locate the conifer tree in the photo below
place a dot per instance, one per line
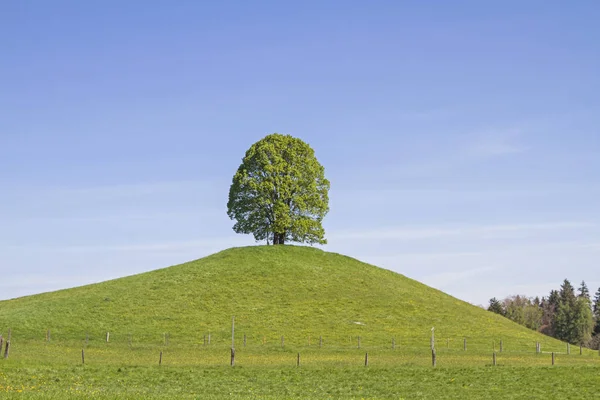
(564, 319)
(584, 291)
(495, 306)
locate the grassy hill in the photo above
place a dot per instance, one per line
(289, 291)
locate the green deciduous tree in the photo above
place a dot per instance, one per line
(524, 311)
(584, 320)
(279, 192)
(584, 316)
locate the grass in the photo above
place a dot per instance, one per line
(299, 293)
(107, 382)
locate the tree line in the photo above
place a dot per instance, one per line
(565, 314)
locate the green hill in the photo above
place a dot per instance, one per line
(272, 291)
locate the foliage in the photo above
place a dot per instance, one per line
(596, 309)
(523, 310)
(564, 324)
(279, 192)
(562, 315)
(495, 306)
(584, 291)
(549, 307)
(584, 320)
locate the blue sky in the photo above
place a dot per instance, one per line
(461, 140)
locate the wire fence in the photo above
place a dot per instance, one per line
(214, 348)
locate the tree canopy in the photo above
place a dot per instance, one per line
(279, 192)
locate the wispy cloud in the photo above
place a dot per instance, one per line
(496, 143)
(444, 279)
(174, 246)
(415, 233)
(128, 217)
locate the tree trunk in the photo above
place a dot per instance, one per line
(278, 238)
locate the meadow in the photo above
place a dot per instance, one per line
(55, 370)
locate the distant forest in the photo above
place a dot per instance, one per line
(565, 314)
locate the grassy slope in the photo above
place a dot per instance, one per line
(272, 291)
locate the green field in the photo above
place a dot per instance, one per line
(287, 300)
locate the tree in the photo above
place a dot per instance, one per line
(495, 306)
(564, 324)
(523, 310)
(596, 309)
(279, 192)
(549, 305)
(584, 320)
(584, 291)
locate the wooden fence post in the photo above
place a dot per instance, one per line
(494, 359)
(232, 356)
(569, 348)
(87, 338)
(82, 357)
(244, 340)
(1, 343)
(366, 359)
(160, 359)
(359, 342)
(6, 349)
(552, 358)
(232, 331)
(107, 336)
(298, 360)
(209, 338)
(580, 349)
(465, 344)
(433, 360)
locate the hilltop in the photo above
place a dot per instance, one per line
(294, 291)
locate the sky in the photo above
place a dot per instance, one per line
(461, 139)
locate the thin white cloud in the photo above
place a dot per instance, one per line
(175, 246)
(134, 216)
(496, 143)
(114, 191)
(445, 279)
(415, 233)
